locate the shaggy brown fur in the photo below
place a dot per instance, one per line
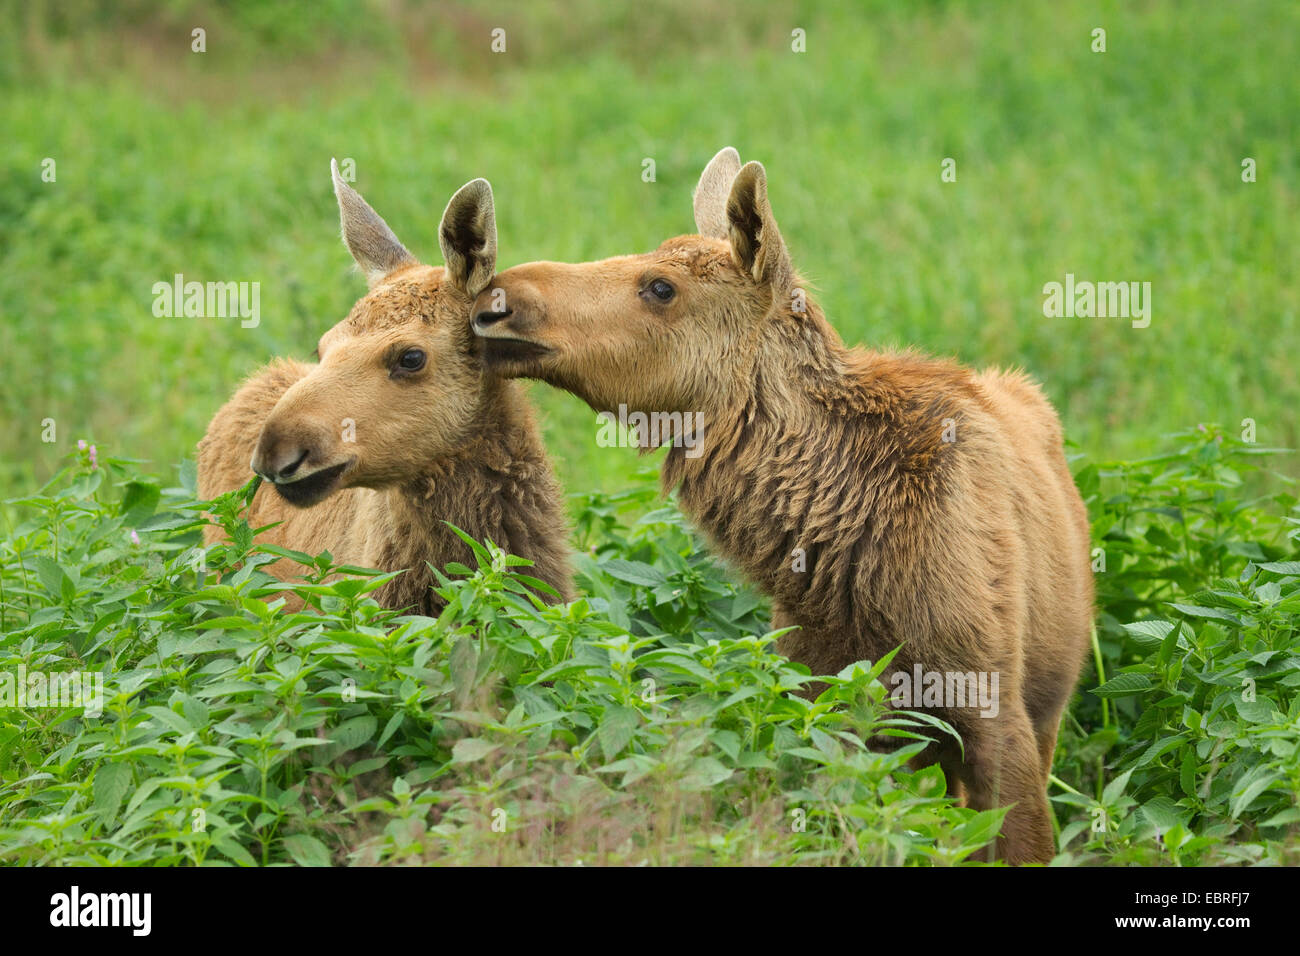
(392, 453)
(932, 505)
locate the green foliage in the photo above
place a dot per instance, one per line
(1191, 744)
(236, 730)
(244, 722)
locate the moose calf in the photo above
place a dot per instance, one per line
(880, 499)
(396, 429)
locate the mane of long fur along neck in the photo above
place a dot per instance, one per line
(826, 454)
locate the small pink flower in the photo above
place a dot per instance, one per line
(93, 463)
(81, 444)
(135, 538)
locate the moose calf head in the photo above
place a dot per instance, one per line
(398, 382)
(673, 330)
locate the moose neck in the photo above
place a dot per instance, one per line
(824, 450)
(497, 487)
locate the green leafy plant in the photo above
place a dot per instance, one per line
(248, 721)
(1190, 743)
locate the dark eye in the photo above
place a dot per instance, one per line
(661, 290)
(412, 360)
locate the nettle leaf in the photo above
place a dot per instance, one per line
(634, 572)
(195, 711)
(112, 781)
(302, 557)
(1269, 592)
(1251, 786)
(463, 665)
(233, 850)
(728, 741)
(353, 733)
(735, 697)
(480, 552)
(705, 773)
(390, 728)
(1216, 613)
(187, 473)
(1187, 772)
(1149, 635)
(1163, 813)
(1285, 818)
(172, 719)
(471, 749)
(1115, 789)
(617, 728)
(826, 744)
(139, 501)
(1159, 749)
(982, 827)
(1282, 567)
(1124, 685)
(633, 768)
(1258, 711)
(744, 602)
(306, 850)
(49, 572)
(1263, 657)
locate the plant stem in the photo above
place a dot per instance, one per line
(1105, 708)
(1101, 676)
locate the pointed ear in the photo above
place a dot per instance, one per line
(710, 197)
(367, 237)
(756, 242)
(468, 236)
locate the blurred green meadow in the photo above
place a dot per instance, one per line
(1125, 165)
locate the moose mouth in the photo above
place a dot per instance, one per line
(317, 486)
(497, 351)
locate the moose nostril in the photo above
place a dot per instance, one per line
(288, 470)
(488, 317)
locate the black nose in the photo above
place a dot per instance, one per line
(487, 317)
(288, 470)
(277, 465)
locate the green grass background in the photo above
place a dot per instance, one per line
(1123, 165)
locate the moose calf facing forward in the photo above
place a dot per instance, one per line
(880, 499)
(396, 425)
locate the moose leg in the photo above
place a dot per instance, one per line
(1046, 734)
(806, 645)
(1004, 767)
(1047, 692)
(954, 771)
(1046, 717)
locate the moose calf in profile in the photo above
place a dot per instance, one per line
(880, 499)
(396, 429)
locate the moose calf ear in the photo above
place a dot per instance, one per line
(468, 236)
(710, 197)
(756, 242)
(367, 237)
